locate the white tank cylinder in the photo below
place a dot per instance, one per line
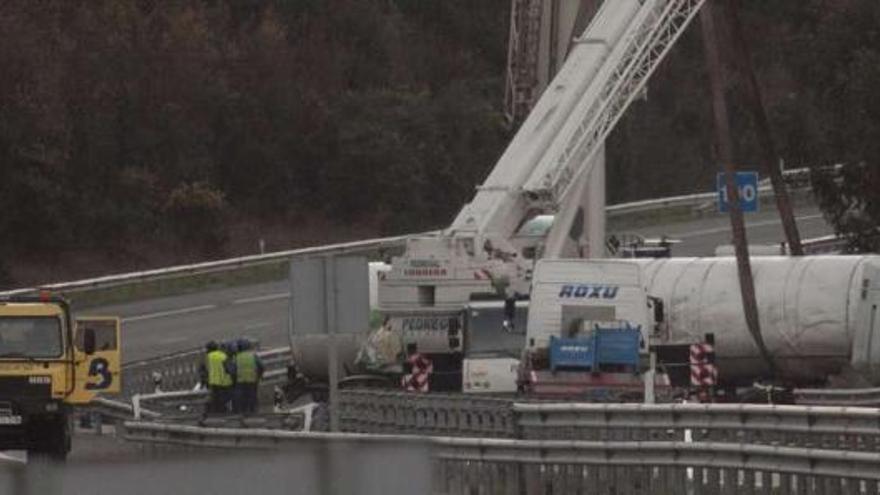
(818, 314)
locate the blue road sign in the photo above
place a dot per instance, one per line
(747, 187)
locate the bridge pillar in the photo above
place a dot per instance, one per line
(595, 209)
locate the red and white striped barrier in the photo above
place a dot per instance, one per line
(417, 380)
(703, 370)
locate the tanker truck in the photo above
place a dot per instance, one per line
(818, 316)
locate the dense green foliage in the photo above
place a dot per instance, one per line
(124, 122)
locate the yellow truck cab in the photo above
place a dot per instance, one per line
(49, 363)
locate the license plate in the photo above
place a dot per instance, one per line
(10, 420)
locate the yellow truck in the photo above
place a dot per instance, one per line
(50, 362)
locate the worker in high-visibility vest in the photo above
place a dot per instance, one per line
(218, 378)
(248, 372)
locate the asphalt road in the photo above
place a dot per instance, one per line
(701, 237)
(161, 326)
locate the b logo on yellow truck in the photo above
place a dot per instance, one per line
(49, 363)
(96, 371)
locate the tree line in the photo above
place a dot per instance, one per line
(128, 123)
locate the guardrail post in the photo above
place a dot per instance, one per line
(136, 406)
(98, 421)
(649, 379)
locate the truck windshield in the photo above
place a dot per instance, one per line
(30, 337)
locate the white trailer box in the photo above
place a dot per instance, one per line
(571, 295)
(818, 314)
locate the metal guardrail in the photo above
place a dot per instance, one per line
(839, 428)
(117, 410)
(687, 200)
(695, 201)
(189, 400)
(382, 412)
(304, 418)
(480, 465)
(167, 405)
(11, 459)
(392, 412)
(174, 397)
(179, 375)
(552, 467)
(852, 397)
(828, 244)
(181, 371)
(216, 266)
(702, 201)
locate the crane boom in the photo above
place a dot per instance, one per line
(499, 205)
(608, 67)
(658, 25)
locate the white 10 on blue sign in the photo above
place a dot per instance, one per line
(747, 188)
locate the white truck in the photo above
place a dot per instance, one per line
(591, 328)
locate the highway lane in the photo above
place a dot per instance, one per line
(161, 326)
(701, 236)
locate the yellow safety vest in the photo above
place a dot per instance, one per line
(217, 375)
(246, 367)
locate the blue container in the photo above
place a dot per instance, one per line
(618, 346)
(571, 353)
(604, 346)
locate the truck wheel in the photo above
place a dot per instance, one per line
(63, 441)
(51, 436)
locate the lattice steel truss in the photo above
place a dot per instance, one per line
(637, 57)
(521, 83)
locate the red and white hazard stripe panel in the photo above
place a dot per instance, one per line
(700, 352)
(482, 274)
(704, 375)
(417, 381)
(703, 370)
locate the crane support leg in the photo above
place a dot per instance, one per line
(725, 155)
(595, 211)
(579, 226)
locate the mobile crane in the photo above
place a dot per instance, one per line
(50, 362)
(546, 169)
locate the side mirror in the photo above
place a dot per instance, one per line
(89, 341)
(659, 313)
